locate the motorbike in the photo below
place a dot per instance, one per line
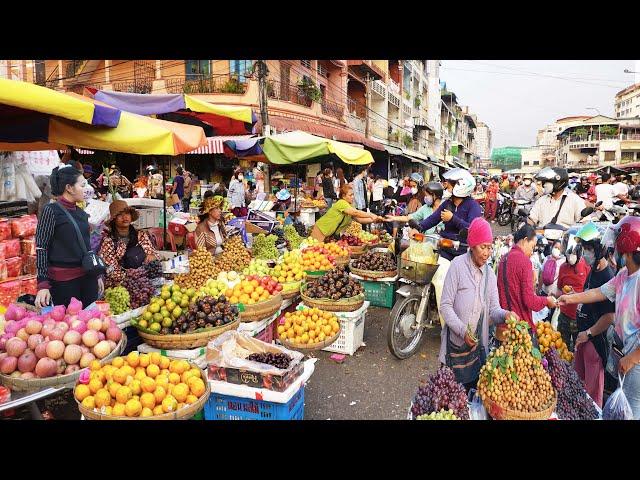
(615, 213)
(505, 209)
(523, 209)
(416, 308)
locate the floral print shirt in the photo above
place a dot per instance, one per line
(113, 254)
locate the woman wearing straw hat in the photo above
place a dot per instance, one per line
(210, 232)
(123, 246)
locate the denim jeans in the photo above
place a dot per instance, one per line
(631, 389)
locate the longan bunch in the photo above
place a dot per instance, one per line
(513, 376)
(235, 257)
(201, 269)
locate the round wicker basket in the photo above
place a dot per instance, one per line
(261, 310)
(343, 305)
(498, 412)
(311, 347)
(291, 289)
(372, 273)
(184, 413)
(26, 385)
(185, 341)
(356, 250)
(341, 261)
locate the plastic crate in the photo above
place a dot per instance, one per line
(266, 335)
(351, 333)
(227, 407)
(380, 294)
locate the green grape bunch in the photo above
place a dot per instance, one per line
(264, 247)
(118, 299)
(441, 415)
(292, 236)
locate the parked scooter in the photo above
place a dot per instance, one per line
(523, 208)
(505, 209)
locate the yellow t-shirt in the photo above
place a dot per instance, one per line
(335, 220)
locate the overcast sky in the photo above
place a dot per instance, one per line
(516, 98)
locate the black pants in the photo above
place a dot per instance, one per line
(84, 289)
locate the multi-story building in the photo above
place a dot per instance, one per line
(24, 70)
(627, 102)
(483, 143)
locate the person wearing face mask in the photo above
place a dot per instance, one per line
(583, 187)
(559, 204)
(432, 199)
(416, 199)
(572, 276)
(515, 278)
(548, 280)
(624, 290)
(236, 194)
(526, 191)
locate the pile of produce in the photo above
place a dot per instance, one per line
(334, 285)
(314, 261)
(441, 392)
(354, 229)
(278, 360)
(201, 269)
(350, 241)
(153, 269)
(549, 338)
(253, 289)
(441, 415)
(293, 235)
(513, 376)
(376, 261)
(264, 247)
(258, 266)
(60, 342)
(290, 269)
(384, 236)
(140, 385)
(205, 313)
(234, 256)
(163, 311)
(366, 237)
(573, 401)
(118, 299)
(138, 284)
(328, 249)
(309, 326)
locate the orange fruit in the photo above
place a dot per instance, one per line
(191, 399)
(153, 370)
(144, 360)
(133, 408)
(133, 359)
(169, 404)
(108, 410)
(162, 381)
(102, 398)
(158, 410)
(129, 369)
(123, 395)
(81, 392)
(174, 378)
(89, 402)
(99, 374)
(142, 374)
(164, 362)
(186, 376)
(120, 376)
(148, 384)
(159, 393)
(118, 362)
(155, 358)
(135, 387)
(165, 371)
(146, 412)
(94, 385)
(94, 365)
(148, 400)
(180, 392)
(113, 388)
(197, 387)
(118, 410)
(196, 372)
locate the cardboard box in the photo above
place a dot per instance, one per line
(277, 383)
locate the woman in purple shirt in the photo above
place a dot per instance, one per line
(469, 306)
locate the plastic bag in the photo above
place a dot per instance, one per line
(11, 248)
(14, 267)
(554, 319)
(476, 408)
(5, 230)
(98, 212)
(24, 226)
(617, 406)
(10, 291)
(231, 348)
(28, 246)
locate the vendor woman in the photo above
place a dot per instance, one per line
(211, 233)
(59, 253)
(123, 246)
(340, 215)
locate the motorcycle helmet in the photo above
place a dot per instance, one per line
(557, 177)
(627, 235)
(590, 236)
(495, 178)
(152, 169)
(570, 246)
(462, 181)
(434, 188)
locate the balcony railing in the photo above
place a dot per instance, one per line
(630, 136)
(205, 84)
(394, 99)
(378, 127)
(333, 109)
(287, 93)
(356, 109)
(379, 88)
(134, 86)
(72, 67)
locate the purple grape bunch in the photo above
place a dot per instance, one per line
(139, 287)
(153, 269)
(441, 391)
(573, 401)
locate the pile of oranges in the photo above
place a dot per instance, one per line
(550, 338)
(140, 385)
(328, 249)
(316, 261)
(309, 326)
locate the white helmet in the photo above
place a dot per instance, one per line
(463, 181)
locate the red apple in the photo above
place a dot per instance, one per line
(278, 288)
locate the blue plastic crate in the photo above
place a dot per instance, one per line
(227, 407)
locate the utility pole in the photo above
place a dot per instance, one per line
(368, 103)
(263, 98)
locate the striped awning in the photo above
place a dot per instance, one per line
(215, 145)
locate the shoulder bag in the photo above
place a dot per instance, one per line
(91, 262)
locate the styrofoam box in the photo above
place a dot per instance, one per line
(185, 354)
(252, 328)
(144, 202)
(351, 331)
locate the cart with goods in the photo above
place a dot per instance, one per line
(335, 291)
(142, 387)
(254, 380)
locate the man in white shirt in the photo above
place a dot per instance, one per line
(568, 211)
(622, 189)
(606, 191)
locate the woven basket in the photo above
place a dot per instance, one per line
(500, 413)
(311, 347)
(372, 273)
(261, 310)
(341, 261)
(356, 250)
(26, 385)
(287, 296)
(343, 305)
(184, 413)
(185, 341)
(291, 289)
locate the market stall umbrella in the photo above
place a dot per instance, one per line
(22, 98)
(296, 147)
(214, 118)
(243, 147)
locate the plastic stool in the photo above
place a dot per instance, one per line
(157, 235)
(191, 241)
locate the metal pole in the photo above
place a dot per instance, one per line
(164, 204)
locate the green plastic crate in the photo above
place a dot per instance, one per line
(380, 294)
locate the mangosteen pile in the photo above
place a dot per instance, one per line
(376, 262)
(206, 312)
(335, 284)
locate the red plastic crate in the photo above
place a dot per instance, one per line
(266, 335)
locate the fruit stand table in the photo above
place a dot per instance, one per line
(18, 399)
